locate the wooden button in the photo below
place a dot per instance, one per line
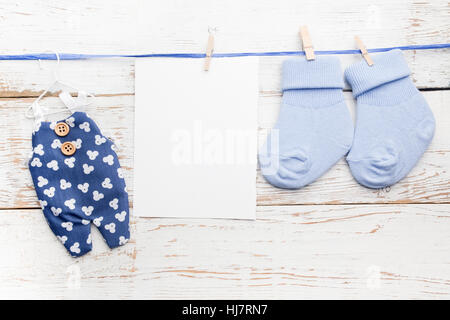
(62, 129)
(68, 148)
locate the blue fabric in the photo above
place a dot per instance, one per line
(76, 190)
(394, 124)
(314, 127)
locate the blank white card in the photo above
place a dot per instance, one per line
(195, 138)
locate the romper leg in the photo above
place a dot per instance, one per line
(73, 232)
(114, 227)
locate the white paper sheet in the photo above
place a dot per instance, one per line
(195, 138)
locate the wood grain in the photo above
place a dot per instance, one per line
(138, 26)
(332, 239)
(429, 182)
(111, 77)
(292, 252)
(163, 26)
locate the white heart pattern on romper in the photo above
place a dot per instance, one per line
(109, 159)
(87, 210)
(122, 240)
(77, 143)
(70, 162)
(43, 204)
(39, 149)
(85, 126)
(42, 181)
(120, 173)
(87, 168)
(121, 216)
(99, 139)
(70, 121)
(75, 248)
(56, 144)
(56, 211)
(63, 239)
(85, 222)
(92, 154)
(53, 165)
(89, 239)
(97, 195)
(67, 225)
(107, 183)
(36, 128)
(111, 227)
(70, 203)
(36, 162)
(98, 221)
(63, 184)
(83, 187)
(50, 192)
(114, 203)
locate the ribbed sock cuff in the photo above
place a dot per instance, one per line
(323, 72)
(388, 66)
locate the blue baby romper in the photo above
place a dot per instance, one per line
(78, 179)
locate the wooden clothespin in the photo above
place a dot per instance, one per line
(364, 51)
(209, 51)
(307, 43)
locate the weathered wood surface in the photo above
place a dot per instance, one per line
(429, 182)
(114, 77)
(292, 252)
(137, 26)
(332, 239)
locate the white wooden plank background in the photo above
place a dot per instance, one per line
(332, 239)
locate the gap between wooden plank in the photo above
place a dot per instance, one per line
(295, 204)
(348, 90)
(55, 94)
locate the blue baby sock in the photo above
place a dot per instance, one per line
(394, 124)
(314, 128)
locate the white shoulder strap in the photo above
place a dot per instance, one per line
(37, 112)
(68, 101)
(82, 99)
(72, 104)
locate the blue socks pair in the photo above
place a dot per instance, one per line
(394, 124)
(314, 128)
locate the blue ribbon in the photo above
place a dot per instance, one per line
(74, 56)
